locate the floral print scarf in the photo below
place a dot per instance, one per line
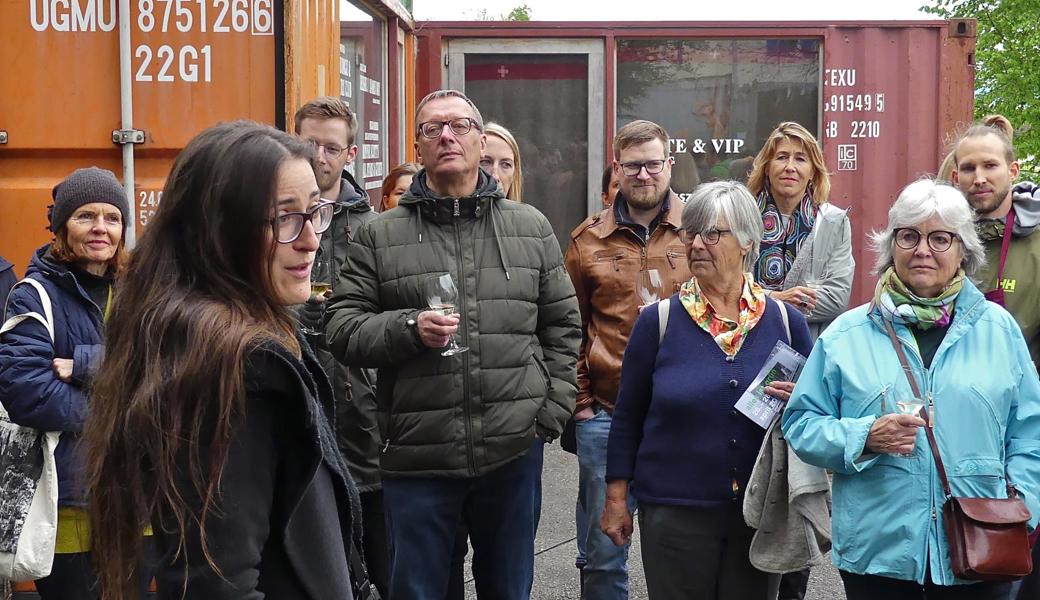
(729, 335)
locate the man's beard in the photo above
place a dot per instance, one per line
(327, 182)
(645, 198)
(992, 203)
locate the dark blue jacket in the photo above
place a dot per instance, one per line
(31, 392)
(675, 434)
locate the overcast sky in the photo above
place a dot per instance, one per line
(682, 10)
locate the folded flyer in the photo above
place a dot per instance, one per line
(784, 364)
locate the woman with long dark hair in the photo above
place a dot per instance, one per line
(210, 416)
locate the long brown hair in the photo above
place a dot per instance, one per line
(196, 296)
(789, 130)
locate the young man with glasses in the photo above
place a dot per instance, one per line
(463, 434)
(329, 123)
(607, 255)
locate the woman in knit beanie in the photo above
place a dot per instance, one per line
(44, 382)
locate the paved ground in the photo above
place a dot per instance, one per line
(555, 575)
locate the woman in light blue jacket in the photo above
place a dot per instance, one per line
(972, 364)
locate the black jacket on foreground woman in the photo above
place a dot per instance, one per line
(286, 506)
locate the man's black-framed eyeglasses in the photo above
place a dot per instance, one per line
(908, 238)
(653, 167)
(288, 227)
(461, 126)
(709, 237)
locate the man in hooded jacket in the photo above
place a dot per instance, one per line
(462, 433)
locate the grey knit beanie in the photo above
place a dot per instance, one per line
(86, 186)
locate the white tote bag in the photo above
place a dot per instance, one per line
(28, 481)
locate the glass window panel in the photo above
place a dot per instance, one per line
(362, 86)
(718, 99)
(542, 99)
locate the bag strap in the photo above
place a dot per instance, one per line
(365, 586)
(47, 319)
(923, 414)
(786, 319)
(1009, 225)
(663, 308)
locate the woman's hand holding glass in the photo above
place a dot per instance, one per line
(894, 434)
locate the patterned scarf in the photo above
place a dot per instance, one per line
(779, 243)
(900, 305)
(728, 335)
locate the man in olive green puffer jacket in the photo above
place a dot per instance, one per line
(462, 434)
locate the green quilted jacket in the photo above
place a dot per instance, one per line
(464, 415)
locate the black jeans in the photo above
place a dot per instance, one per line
(875, 587)
(698, 553)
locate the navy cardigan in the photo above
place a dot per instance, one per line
(675, 434)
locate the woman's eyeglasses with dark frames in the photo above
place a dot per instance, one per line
(909, 238)
(710, 237)
(288, 227)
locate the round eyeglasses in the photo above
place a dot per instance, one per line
(909, 238)
(432, 129)
(709, 237)
(288, 227)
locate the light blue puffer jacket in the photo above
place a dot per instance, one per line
(888, 509)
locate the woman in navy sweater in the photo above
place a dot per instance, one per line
(677, 443)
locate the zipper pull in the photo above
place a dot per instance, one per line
(931, 411)
(386, 445)
(934, 516)
(456, 212)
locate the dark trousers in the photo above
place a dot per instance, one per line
(1030, 585)
(793, 585)
(73, 577)
(699, 553)
(875, 587)
(376, 545)
(500, 511)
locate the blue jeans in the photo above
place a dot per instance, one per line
(500, 509)
(606, 565)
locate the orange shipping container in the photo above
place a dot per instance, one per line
(191, 64)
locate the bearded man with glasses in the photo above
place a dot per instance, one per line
(608, 254)
(463, 433)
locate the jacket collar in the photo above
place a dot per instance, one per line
(442, 208)
(351, 196)
(672, 216)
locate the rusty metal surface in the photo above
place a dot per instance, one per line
(194, 63)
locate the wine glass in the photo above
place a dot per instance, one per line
(649, 286)
(814, 283)
(441, 295)
(909, 406)
(321, 285)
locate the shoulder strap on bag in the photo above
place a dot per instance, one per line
(786, 319)
(662, 318)
(47, 319)
(366, 589)
(924, 413)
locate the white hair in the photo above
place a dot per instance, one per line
(736, 204)
(920, 201)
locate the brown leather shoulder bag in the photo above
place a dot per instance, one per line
(988, 538)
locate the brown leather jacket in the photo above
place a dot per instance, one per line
(604, 260)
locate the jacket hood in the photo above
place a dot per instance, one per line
(420, 194)
(352, 196)
(1025, 197)
(4, 264)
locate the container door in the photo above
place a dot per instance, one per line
(549, 94)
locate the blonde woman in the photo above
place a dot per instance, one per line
(502, 161)
(806, 256)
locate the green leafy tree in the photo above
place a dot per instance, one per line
(1007, 55)
(520, 13)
